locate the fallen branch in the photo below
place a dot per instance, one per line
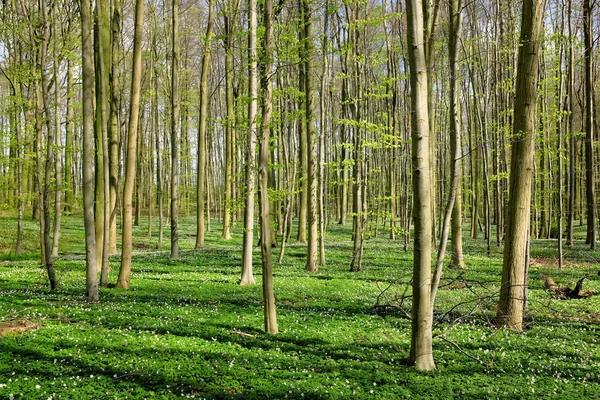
(242, 334)
(472, 357)
(565, 293)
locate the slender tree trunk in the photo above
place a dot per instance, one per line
(270, 313)
(421, 354)
(454, 38)
(589, 124)
(323, 123)
(58, 182)
(230, 120)
(358, 196)
(69, 132)
(130, 161)
(572, 142)
(514, 268)
(19, 166)
(50, 141)
(102, 203)
(175, 133)
(247, 276)
(561, 103)
(157, 146)
(87, 53)
(39, 171)
(204, 98)
(114, 127)
(312, 263)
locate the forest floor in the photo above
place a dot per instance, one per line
(187, 329)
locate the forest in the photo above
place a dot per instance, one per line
(303, 199)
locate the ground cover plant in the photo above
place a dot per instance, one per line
(187, 329)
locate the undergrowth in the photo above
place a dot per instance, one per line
(186, 328)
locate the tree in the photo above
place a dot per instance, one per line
(421, 355)
(312, 264)
(175, 134)
(454, 11)
(115, 125)
(204, 99)
(50, 141)
(247, 276)
(270, 312)
(229, 17)
(514, 268)
(58, 193)
(130, 161)
(102, 50)
(454, 39)
(589, 125)
(87, 54)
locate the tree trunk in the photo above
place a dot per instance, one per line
(114, 127)
(512, 290)
(87, 53)
(50, 141)
(230, 118)
(247, 276)
(102, 203)
(130, 161)
(454, 9)
(421, 354)
(572, 142)
(69, 150)
(204, 98)
(270, 313)
(312, 263)
(175, 133)
(589, 125)
(58, 182)
(325, 81)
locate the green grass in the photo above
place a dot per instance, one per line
(186, 328)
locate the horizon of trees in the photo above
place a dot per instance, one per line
(309, 107)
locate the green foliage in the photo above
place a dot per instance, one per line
(186, 328)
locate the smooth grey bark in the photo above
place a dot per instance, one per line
(454, 10)
(114, 127)
(50, 141)
(130, 160)
(203, 114)
(270, 312)
(590, 186)
(312, 264)
(421, 353)
(247, 275)
(87, 53)
(514, 269)
(175, 133)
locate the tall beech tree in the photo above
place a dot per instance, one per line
(247, 276)
(312, 264)
(266, 76)
(514, 268)
(229, 19)
(202, 116)
(49, 112)
(421, 353)
(590, 187)
(454, 12)
(454, 38)
(102, 49)
(130, 161)
(114, 127)
(175, 133)
(87, 56)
